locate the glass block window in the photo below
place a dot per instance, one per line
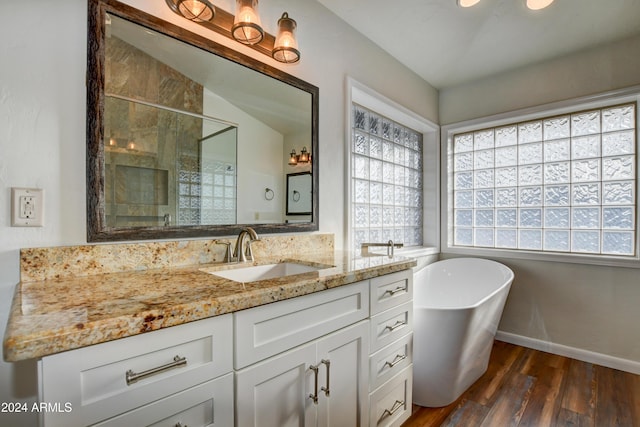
(189, 187)
(386, 180)
(560, 184)
(207, 196)
(218, 196)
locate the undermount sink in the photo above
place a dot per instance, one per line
(267, 271)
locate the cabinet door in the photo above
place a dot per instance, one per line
(275, 392)
(343, 362)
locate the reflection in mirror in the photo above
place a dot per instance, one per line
(299, 189)
(183, 141)
(166, 168)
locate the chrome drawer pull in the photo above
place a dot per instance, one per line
(314, 396)
(328, 365)
(395, 291)
(395, 326)
(389, 412)
(399, 358)
(132, 377)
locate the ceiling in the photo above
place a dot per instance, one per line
(447, 45)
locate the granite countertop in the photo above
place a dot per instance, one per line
(56, 315)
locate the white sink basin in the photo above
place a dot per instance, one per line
(263, 272)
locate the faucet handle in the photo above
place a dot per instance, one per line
(249, 250)
(228, 256)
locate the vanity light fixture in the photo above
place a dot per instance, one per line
(193, 10)
(244, 27)
(303, 157)
(285, 48)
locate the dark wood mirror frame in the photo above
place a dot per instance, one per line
(97, 230)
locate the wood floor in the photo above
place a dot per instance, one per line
(525, 387)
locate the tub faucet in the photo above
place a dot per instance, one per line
(364, 248)
(240, 253)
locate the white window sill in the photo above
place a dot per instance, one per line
(417, 251)
(611, 261)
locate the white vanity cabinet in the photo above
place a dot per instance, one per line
(338, 357)
(312, 360)
(391, 351)
(175, 376)
(282, 351)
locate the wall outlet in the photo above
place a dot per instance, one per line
(27, 207)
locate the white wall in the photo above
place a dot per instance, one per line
(593, 71)
(42, 144)
(42, 123)
(258, 165)
(585, 307)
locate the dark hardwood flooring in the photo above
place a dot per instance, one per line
(524, 387)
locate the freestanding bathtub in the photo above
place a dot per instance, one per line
(457, 307)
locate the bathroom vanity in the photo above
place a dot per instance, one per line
(182, 346)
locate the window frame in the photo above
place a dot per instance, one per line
(360, 94)
(523, 115)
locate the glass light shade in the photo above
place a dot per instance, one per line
(304, 155)
(193, 10)
(285, 48)
(246, 24)
(293, 158)
(538, 4)
(467, 3)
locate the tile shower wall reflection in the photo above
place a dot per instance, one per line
(163, 167)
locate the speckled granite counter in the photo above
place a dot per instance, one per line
(65, 312)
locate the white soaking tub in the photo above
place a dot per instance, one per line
(457, 307)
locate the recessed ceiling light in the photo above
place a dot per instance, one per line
(467, 3)
(538, 4)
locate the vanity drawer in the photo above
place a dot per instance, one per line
(390, 405)
(390, 360)
(264, 331)
(108, 379)
(390, 325)
(391, 290)
(206, 405)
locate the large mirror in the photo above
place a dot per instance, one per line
(188, 138)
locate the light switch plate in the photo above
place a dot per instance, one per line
(27, 207)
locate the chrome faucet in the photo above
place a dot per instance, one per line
(240, 253)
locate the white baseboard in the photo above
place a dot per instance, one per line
(602, 359)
